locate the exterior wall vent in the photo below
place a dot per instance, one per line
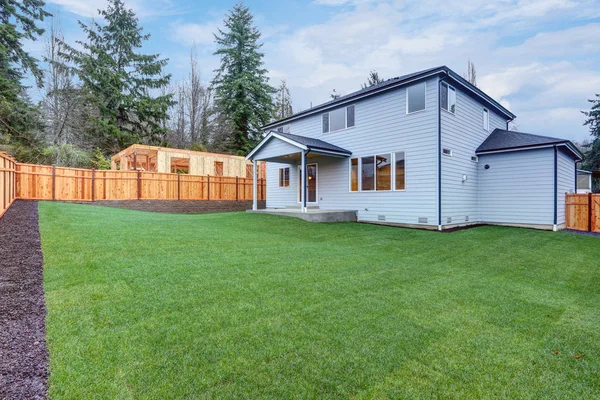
(381, 218)
(422, 220)
(449, 220)
(467, 218)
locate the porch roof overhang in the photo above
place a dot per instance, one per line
(302, 143)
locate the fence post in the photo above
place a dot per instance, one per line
(236, 188)
(590, 211)
(139, 184)
(178, 186)
(53, 182)
(93, 184)
(208, 176)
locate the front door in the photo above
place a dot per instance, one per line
(311, 173)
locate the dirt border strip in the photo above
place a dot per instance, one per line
(23, 352)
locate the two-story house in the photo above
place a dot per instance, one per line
(426, 149)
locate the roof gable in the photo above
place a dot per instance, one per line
(303, 144)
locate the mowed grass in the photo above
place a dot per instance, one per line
(245, 306)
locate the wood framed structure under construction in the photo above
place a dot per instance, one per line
(140, 157)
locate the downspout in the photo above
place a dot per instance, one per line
(555, 226)
(439, 151)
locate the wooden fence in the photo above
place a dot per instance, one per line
(583, 212)
(42, 182)
(8, 182)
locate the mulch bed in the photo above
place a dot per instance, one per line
(581, 233)
(23, 353)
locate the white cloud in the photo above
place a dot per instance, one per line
(189, 34)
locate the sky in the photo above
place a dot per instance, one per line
(539, 58)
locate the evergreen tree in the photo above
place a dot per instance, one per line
(19, 119)
(592, 154)
(242, 90)
(283, 102)
(120, 81)
(373, 80)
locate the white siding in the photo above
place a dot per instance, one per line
(566, 182)
(274, 148)
(280, 197)
(462, 133)
(518, 188)
(381, 126)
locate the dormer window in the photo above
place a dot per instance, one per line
(339, 119)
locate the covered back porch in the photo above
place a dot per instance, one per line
(300, 158)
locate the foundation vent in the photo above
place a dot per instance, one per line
(381, 218)
(449, 220)
(422, 220)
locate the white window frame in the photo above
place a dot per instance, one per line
(418, 111)
(486, 112)
(393, 176)
(450, 87)
(450, 154)
(345, 119)
(282, 174)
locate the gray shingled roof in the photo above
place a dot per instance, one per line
(391, 82)
(314, 144)
(501, 139)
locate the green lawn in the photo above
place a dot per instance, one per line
(246, 306)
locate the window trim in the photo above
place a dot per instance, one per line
(281, 177)
(393, 177)
(406, 98)
(450, 87)
(346, 127)
(484, 112)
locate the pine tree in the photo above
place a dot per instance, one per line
(592, 155)
(19, 119)
(120, 80)
(283, 102)
(373, 80)
(242, 90)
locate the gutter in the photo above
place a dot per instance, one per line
(555, 226)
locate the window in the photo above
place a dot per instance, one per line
(339, 119)
(486, 119)
(400, 170)
(448, 98)
(218, 168)
(354, 175)
(378, 172)
(474, 158)
(415, 98)
(284, 177)
(383, 165)
(447, 152)
(349, 116)
(367, 173)
(325, 122)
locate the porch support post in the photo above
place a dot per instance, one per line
(254, 186)
(303, 180)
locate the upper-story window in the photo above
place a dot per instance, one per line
(415, 98)
(339, 119)
(486, 119)
(448, 98)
